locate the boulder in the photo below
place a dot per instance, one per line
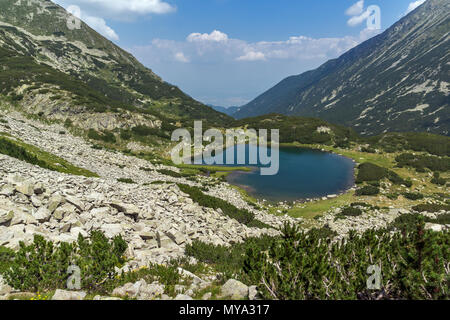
(207, 296)
(63, 211)
(76, 202)
(434, 227)
(5, 217)
(235, 290)
(42, 214)
(55, 202)
(68, 295)
(6, 235)
(4, 288)
(151, 291)
(176, 236)
(252, 293)
(111, 230)
(127, 209)
(7, 190)
(25, 188)
(77, 231)
(131, 290)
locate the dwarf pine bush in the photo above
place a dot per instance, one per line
(42, 265)
(311, 265)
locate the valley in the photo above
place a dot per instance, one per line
(87, 180)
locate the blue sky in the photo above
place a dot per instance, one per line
(227, 52)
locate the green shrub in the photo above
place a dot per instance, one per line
(428, 207)
(97, 258)
(106, 136)
(351, 212)
(438, 180)
(6, 256)
(392, 196)
(241, 215)
(167, 275)
(367, 191)
(420, 162)
(16, 151)
(170, 173)
(42, 266)
(299, 266)
(370, 172)
(125, 135)
(413, 196)
(229, 261)
(68, 123)
(126, 180)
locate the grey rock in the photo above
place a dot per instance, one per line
(6, 216)
(131, 290)
(207, 296)
(55, 202)
(176, 236)
(151, 291)
(68, 295)
(76, 202)
(252, 293)
(25, 188)
(234, 289)
(4, 288)
(42, 214)
(111, 230)
(7, 190)
(128, 209)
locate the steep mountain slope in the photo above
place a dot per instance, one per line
(396, 81)
(58, 67)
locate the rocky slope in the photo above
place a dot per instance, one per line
(396, 81)
(156, 220)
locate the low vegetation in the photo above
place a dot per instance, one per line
(420, 162)
(241, 215)
(31, 154)
(298, 265)
(42, 265)
(373, 173)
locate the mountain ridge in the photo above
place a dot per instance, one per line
(37, 33)
(378, 86)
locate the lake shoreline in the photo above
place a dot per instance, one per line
(336, 166)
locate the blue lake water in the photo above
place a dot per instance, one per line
(303, 173)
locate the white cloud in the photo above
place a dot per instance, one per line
(357, 20)
(121, 9)
(180, 57)
(252, 56)
(413, 5)
(356, 9)
(96, 23)
(216, 36)
(217, 48)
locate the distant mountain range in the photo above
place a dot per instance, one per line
(227, 110)
(396, 81)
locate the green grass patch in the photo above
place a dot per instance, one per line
(33, 155)
(241, 215)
